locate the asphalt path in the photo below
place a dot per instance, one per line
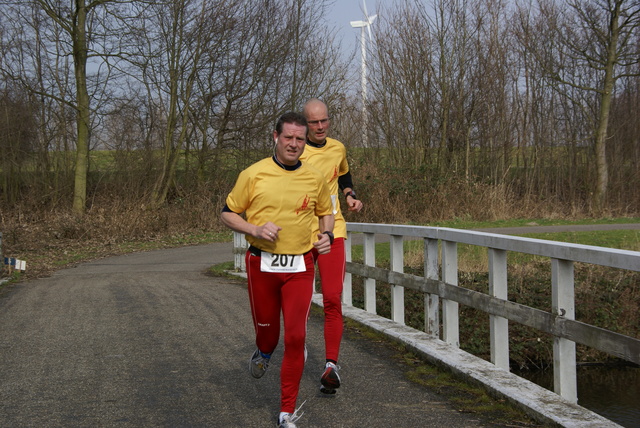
(150, 340)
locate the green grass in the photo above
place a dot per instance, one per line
(467, 224)
(222, 269)
(621, 239)
(470, 255)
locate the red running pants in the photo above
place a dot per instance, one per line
(269, 294)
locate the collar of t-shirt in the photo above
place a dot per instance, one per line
(286, 167)
(317, 145)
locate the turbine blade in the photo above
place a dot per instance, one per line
(366, 14)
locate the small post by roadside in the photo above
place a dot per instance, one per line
(9, 264)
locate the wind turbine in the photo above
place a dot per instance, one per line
(366, 23)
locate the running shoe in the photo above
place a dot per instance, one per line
(330, 379)
(258, 364)
(288, 420)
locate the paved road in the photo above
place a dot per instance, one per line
(149, 340)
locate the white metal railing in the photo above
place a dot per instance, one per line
(443, 295)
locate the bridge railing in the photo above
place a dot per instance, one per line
(443, 295)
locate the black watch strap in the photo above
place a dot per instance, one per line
(330, 235)
(351, 193)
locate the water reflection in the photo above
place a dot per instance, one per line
(613, 392)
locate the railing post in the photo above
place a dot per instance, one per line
(397, 291)
(564, 350)
(240, 246)
(450, 327)
(369, 250)
(499, 326)
(431, 301)
(347, 293)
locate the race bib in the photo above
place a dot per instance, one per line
(282, 263)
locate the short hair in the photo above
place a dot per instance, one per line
(290, 117)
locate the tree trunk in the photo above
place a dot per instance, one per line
(602, 173)
(83, 112)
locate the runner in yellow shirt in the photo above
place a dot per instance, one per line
(282, 199)
(330, 157)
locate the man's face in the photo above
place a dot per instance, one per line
(319, 123)
(290, 143)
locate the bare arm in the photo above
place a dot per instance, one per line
(326, 223)
(323, 244)
(268, 231)
(353, 204)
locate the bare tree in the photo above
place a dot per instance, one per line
(221, 89)
(68, 33)
(199, 76)
(492, 83)
(594, 46)
(177, 31)
(18, 123)
(33, 58)
(402, 82)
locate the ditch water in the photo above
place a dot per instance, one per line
(612, 392)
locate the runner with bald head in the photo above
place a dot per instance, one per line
(330, 157)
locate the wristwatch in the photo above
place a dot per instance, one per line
(330, 235)
(350, 193)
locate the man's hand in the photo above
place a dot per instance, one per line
(354, 204)
(268, 232)
(323, 244)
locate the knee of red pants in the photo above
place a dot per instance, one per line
(294, 340)
(267, 339)
(332, 302)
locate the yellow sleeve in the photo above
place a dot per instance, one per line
(239, 199)
(344, 165)
(324, 205)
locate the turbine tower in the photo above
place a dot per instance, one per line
(366, 23)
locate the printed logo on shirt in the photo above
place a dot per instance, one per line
(305, 204)
(335, 173)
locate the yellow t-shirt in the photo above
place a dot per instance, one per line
(331, 160)
(291, 199)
